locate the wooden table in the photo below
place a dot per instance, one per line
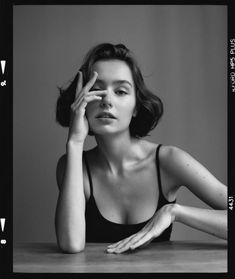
(172, 256)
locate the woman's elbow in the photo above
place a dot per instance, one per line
(72, 248)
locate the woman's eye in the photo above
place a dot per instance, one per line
(95, 89)
(121, 92)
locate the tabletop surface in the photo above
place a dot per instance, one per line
(169, 256)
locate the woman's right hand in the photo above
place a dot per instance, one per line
(78, 128)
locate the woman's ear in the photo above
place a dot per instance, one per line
(135, 112)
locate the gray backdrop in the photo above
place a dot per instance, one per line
(182, 53)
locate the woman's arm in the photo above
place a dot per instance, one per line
(190, 173)
(184, 170)
(70, 211)
(207, 220)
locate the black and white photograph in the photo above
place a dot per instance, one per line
(120, 139)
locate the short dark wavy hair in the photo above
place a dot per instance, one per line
(149, 106)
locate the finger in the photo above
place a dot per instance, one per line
(145, 230)
(90, 93)
(144, 240)
(111, 247)
(114, 244)
(133, 237)
(94, 93)
(146, 243)
(130, 243)
(147, 227)
(89, 99)
(97, 92)
(124, 245)
(91, 82)
(79, 84)
(83, 103)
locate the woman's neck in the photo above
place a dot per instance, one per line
(117, 151)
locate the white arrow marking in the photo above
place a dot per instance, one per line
(2, 223)
(3, 64)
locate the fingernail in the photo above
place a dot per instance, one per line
(95, 73)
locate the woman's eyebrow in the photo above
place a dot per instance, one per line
(115, 82)
(122, 81)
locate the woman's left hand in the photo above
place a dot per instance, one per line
(162, 219)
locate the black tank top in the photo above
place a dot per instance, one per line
(99, 229)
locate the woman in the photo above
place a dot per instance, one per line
(124, 190)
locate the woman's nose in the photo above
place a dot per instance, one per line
(106, 100)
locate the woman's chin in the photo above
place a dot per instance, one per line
(108, 131)
(104, 131)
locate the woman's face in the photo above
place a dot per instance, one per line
(120, 101)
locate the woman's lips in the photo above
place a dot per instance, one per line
(105, 115)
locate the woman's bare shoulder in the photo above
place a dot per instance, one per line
(166, 153)
(169, 155)
(178, 163)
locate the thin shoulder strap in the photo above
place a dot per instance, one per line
(88, 172)
(158, 169)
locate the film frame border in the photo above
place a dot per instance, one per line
(6, 109)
